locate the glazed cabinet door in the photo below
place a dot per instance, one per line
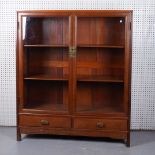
(101, 50)
(44, 63)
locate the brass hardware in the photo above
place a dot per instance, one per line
(72, 48)
(100, 125)
(72, 52)
(44, 122)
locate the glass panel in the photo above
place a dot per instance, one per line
(94, 97)
(106, 31)
(46, 95)
(45, 30)
(46, 62)
(100, 64)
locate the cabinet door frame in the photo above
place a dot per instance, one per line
(127, 15)
(20, 60)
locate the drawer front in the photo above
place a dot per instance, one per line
(100, 124)
(41, 121)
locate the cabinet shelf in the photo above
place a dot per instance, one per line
(100, 46)
(100, 78)
(108, 109)
(47, 77)
(46, 106)
(87, 46)
(43, 45)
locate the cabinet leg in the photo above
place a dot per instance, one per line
(127, 141)
(18, 135)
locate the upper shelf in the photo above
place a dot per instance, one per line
(43, 45)
(100, 45)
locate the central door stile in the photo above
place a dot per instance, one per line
(71, 65)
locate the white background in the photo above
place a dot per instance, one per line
(143, 65)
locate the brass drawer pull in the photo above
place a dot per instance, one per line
(100, 125)
(44, 122)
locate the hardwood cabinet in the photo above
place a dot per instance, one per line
(73, 73)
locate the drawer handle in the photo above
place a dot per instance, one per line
(100, 125)
(44, 122)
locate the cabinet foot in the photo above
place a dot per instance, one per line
(127, 142)
(18, 135)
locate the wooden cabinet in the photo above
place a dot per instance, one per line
(73, 73)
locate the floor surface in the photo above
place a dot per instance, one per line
(142, 143)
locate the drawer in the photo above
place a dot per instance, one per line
(100, 124)
(40, 121)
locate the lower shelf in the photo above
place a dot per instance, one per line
(97, 110)
(46, 107)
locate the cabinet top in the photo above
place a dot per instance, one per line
(79, 12)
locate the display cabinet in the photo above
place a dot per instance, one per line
(74, 73)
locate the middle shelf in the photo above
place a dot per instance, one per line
(94, 78)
